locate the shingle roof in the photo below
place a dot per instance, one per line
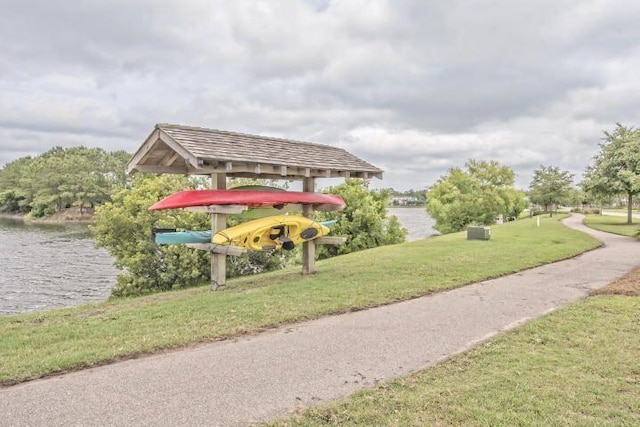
(210, 151)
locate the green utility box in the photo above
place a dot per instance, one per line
(478, 233)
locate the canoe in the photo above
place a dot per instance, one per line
(190, 237)
(274, 232)
(249, 198)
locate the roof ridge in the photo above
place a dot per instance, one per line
(226, 132)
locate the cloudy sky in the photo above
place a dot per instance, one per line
(414, 87)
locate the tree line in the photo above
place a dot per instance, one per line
(485, 190)
(61, 178)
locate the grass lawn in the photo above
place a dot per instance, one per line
(612, 224)
(620, 210)
(38, 344)
(576, 366)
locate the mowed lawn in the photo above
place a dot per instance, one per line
(37, 344)
(613, 224)
(577, 366)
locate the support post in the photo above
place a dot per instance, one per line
(218, 223)
(308, 248)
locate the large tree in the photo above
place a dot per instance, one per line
(61, 178)
(550, 187)
(616, 167)
(476, 195)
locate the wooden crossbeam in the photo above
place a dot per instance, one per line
(331, 240)
(218, 209)
(162, 169)
(218, 249)
(169, 158)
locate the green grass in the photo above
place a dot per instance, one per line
(576, 366)
(620, 210)
(613, 224)
(38, 344)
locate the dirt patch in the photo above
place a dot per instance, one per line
(628, 285)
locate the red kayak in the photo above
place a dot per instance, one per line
(250, 198)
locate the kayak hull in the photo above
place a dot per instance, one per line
(249, 198)
(274, 232)
(294, 227)
(183, 237)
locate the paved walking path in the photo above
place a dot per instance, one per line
(260, 377)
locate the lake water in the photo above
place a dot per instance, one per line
(44, 266)
(418, 223)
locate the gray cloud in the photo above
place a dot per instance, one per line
(414, 87)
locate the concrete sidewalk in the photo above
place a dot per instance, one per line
(260, 377)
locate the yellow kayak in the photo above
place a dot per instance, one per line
(273, 232)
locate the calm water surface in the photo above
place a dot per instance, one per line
(45, 266)
(418, 223)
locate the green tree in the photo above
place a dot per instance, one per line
(12, 195)
(364, 220)
(61, 178)
(616, 167)
(9, 201)
(476, 195)
(551, 187)
(123, 226)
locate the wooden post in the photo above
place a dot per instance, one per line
(218, 222)
(308, 248)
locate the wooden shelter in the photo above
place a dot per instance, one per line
(190, 150)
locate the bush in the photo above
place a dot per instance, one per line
(123, 227)
(364, 220)
(595, 211)
(476, 195)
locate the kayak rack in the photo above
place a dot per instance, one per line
(219, 154)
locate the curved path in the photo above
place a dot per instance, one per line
(260, 377)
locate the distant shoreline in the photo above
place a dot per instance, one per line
(65, 217)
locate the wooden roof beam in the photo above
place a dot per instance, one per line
(157, 169)
(169, 158)
(142, 152)
(187, 156)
